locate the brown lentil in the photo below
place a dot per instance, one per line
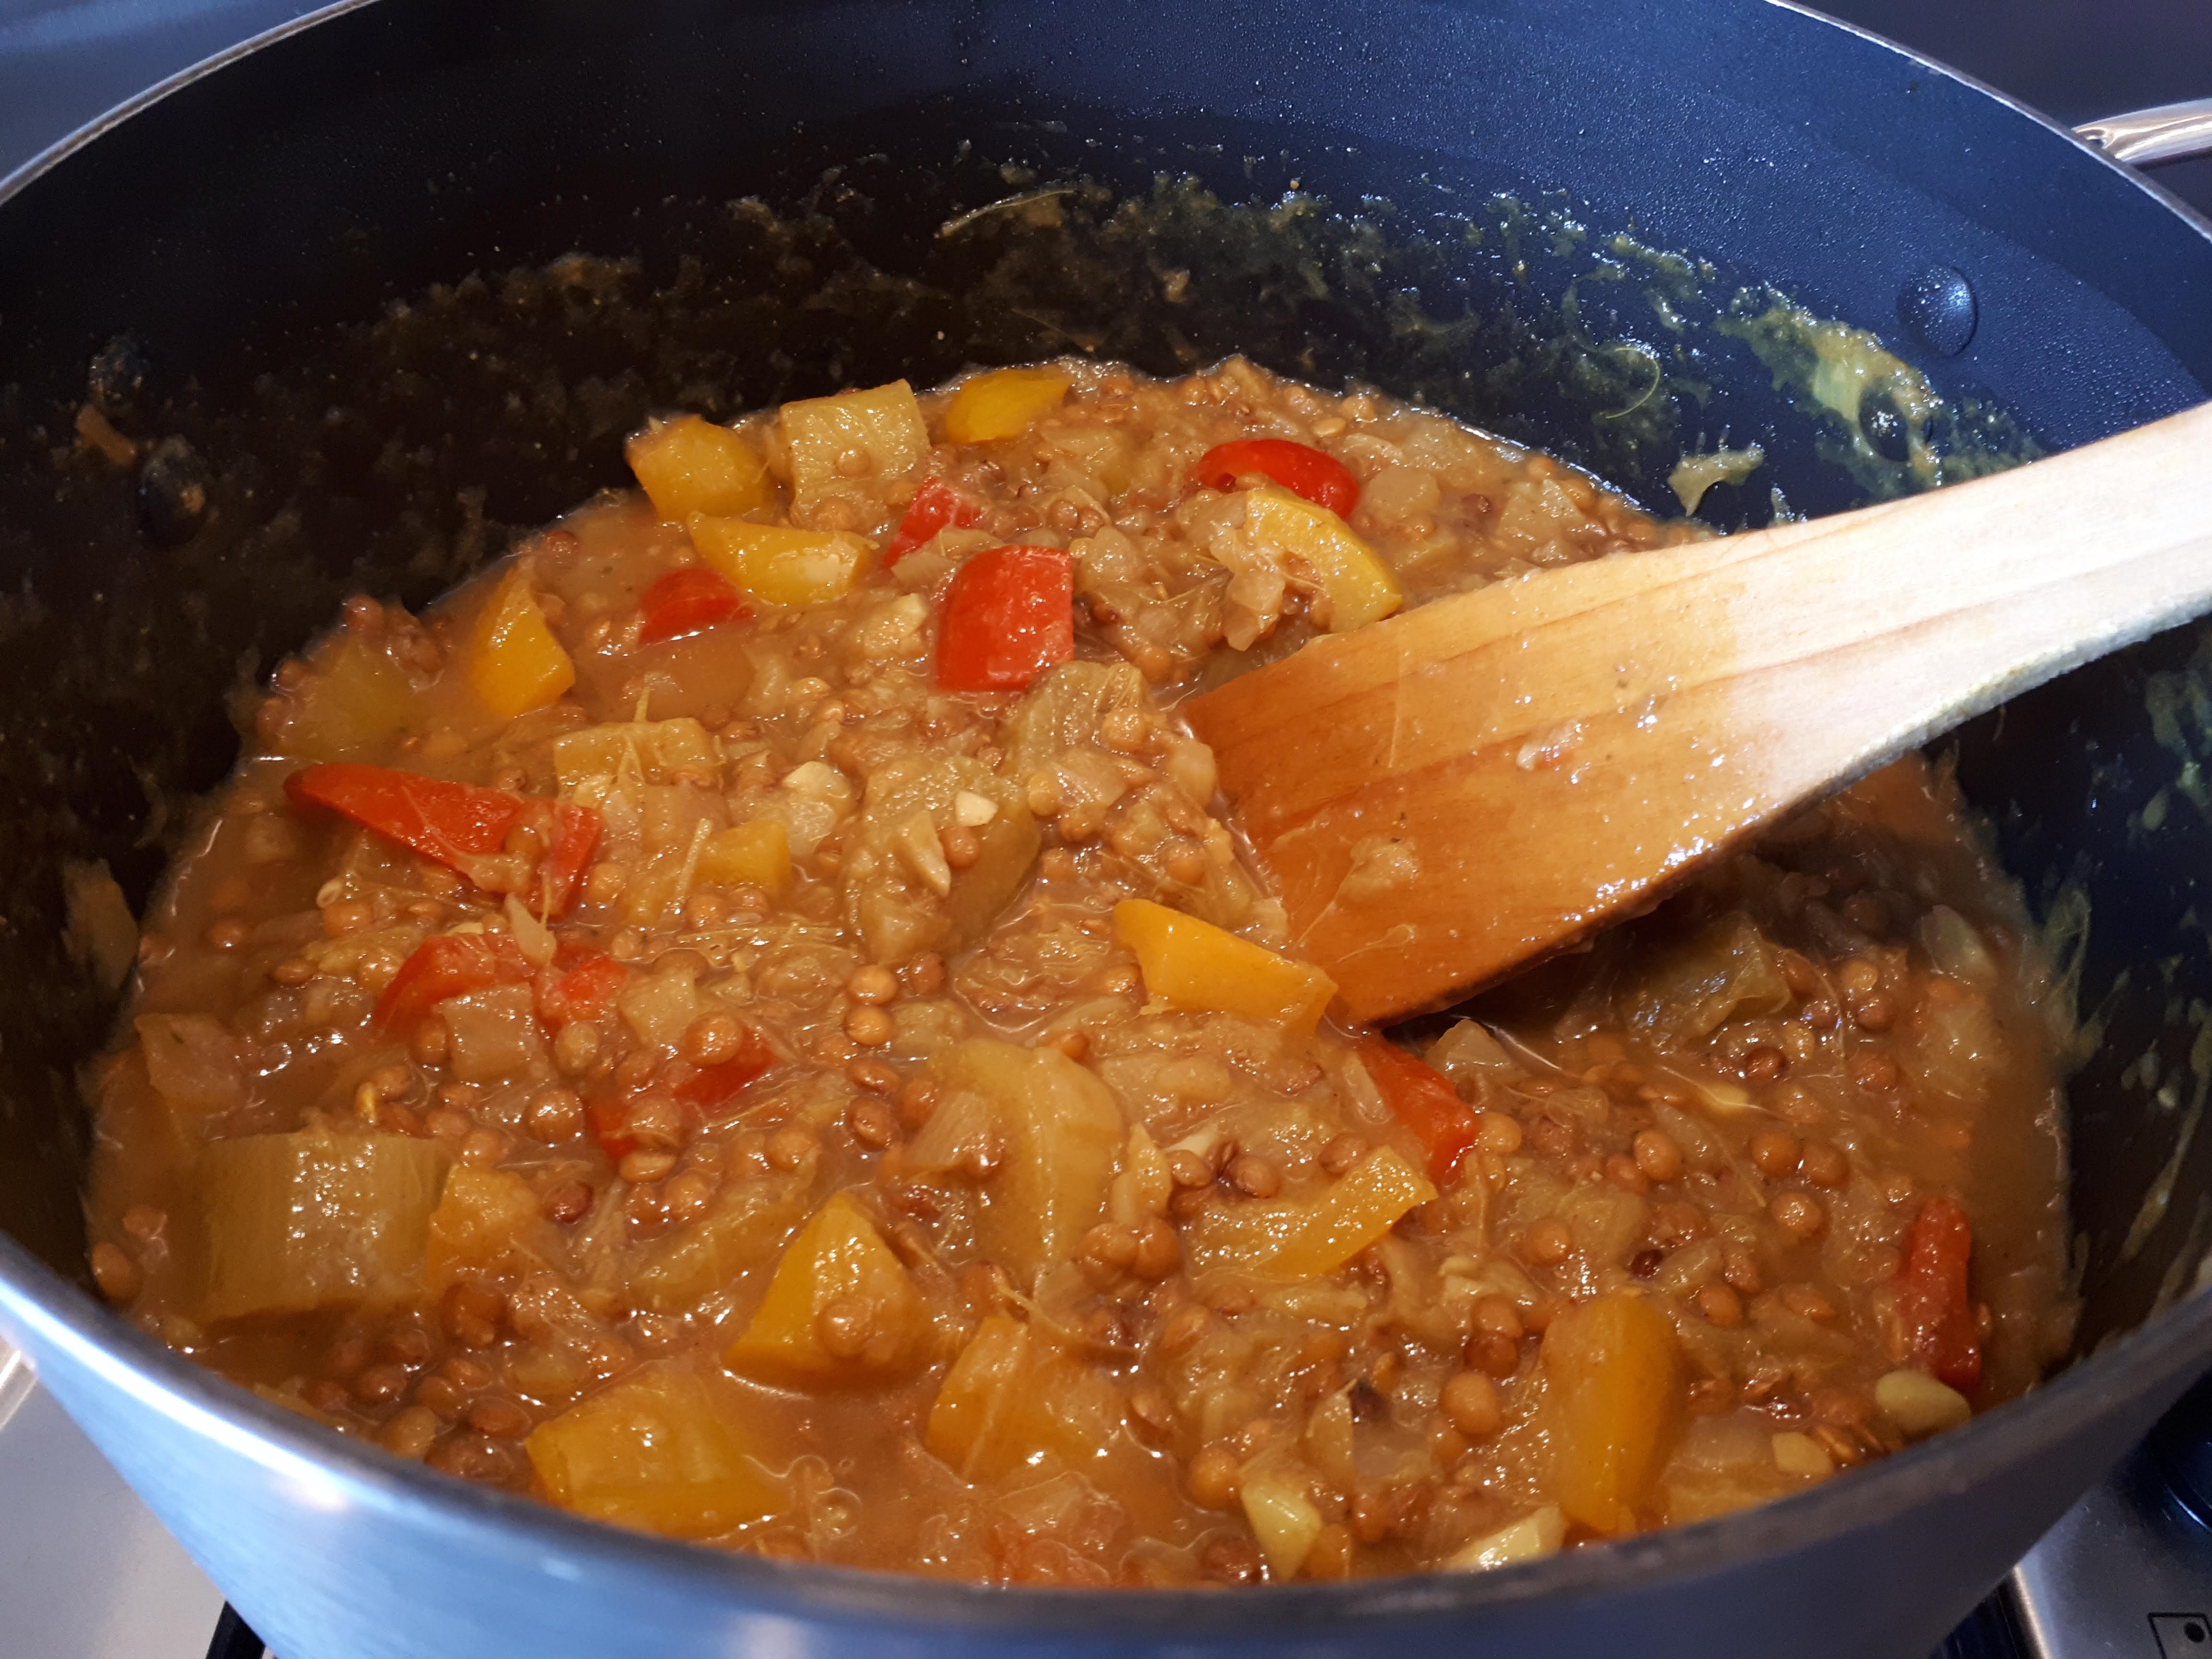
(1718, 1304)
(869, 1026)
(1498, 1133)
(380, 1384)
(1774, 1153)
(567, 1202)
(1340, 1153)
(555, 1115)
(1471, 1400)
(1800, 1216)
(1254, 1178)
(790, 1146)
(1213, 1477)
(870, 1122)
(1657, 1155)
(1548, 1242)
(873, 985)
(115, 1272)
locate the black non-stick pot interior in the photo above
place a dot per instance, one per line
(372, 301)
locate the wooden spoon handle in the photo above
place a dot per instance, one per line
(1446, 795)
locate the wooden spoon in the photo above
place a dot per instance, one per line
(1448, 794)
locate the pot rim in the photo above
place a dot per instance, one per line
(47, 159)
(335, 1472)
(2188, 213)
(332, 1471)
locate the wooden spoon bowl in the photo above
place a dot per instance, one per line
(1447, 795)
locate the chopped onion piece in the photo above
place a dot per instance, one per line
(1919, 1404)
(1277, 1500)
(921, 852)
(1531, 1538)
(1802, 1455)
(533, 938)
(1956, 946)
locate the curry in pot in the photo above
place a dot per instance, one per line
(749, 1021)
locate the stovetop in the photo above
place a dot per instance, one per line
(86, 1572)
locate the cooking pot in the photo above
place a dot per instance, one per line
(320, 300)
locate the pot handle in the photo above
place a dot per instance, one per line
(2150, 137)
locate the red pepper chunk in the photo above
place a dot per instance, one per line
(1422, 1099)
(1299, 468)
(455, 824)
(709, 1086)
(688, 601)
(1009, 615)
(568, 856)
(605, 1115)
(447, 822)
(451, 965)
(934, 506)
(1936, 1304)
(586, 990)
(698, 1092)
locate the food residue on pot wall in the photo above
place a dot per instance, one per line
(1885, 423)
(1693, 475)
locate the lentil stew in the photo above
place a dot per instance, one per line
(748, 1021)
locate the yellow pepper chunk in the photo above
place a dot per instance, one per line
(1359, 585)
(778, 565)
(841, 1309)
(515, 662)
(758, 852)
(1297, 1239)
(1004, 404)
(1011, 1398)
(658, 1453)
(979, 1395)
(689, 466)
(1616, 1383)
(1193, 964)
(487, 1221)
(1062, 1135)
